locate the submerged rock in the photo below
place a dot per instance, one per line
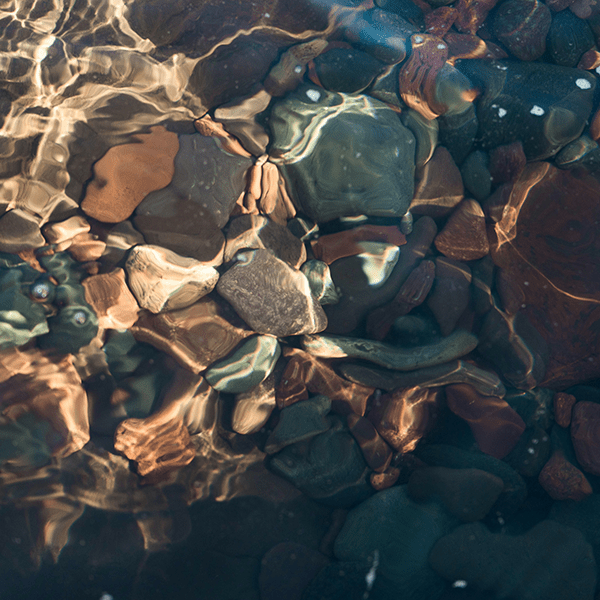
(372, 175)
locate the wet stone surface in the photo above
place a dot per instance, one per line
(299, 300)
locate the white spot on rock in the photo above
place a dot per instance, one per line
(313, 95)
(502, 112)
(538, 111)
(583, 84)
(298, 69)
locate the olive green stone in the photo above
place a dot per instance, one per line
(455, 345)
(250, 364)
(343, 155)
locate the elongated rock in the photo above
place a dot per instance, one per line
(454, 346)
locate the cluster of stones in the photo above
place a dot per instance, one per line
(355, 253)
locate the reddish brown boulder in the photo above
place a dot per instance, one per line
(377, 453)
(495, 425)
(464, 236)
(548, 245)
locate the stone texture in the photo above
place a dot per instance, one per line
(319, 279)
(164, 280)
(299, 422)
(584, 435)
(453, 346)
(305, 373)
(562, 480)
(253, 408)
(270, 296)
(113, 303)
(404, 416)
(248, 366)
(376, 452)
(155, 446)
(550, 561)
(206, 179)
(495, 425)
(439, 187)
(402, 532)
(195, 336)
(358, 297)
(464, 236)
(309, 127)
(126, 174)
(37, 387)
(413, 292)
(555, 265)
(331, 247)
(255, 231)
(522, 26)
(563, 405)
(486, 382)
(451, 293)
(467, 494)
(329, 468)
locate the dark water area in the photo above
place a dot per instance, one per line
(299, 300)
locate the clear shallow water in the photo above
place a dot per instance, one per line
(79, 79)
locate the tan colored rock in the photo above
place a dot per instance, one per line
(111, 300)
(126, 174)
(195, 336)
(163, 280)
(56, 233)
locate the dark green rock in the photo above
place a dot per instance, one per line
(568, 39)
(329, 467)
(342, 155)
(402, 532)
(347, 70)
(476, 175)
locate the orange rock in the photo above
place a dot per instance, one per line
(126, 174)
(111, 300)
(472, 14)
(404, 416)
(329, 248)
(495, 425)
(156, 446)
(563, 480)
(50, 388)
(464, 236)
(382, 481)
(563, 405)
(306, 372)
(440, 186)
(439, 21)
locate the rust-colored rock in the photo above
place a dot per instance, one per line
(464, 236)
(127, 173)
(111, 300)
(382, 481)
(305, 373)
(547, 243)
(585, 435)
(418, 74)
(507, 162)
(563, 406)
(563, 480)
(404, 416)
(495, 425)
(589, 60)
(329, 248)
(49, 388)
(472, 14)
(377, 453)
(439, 21)
(440, 186)
(195, 336)
(155, 446)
